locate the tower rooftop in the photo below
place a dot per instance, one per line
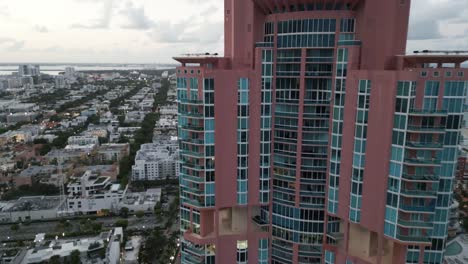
(269, 6)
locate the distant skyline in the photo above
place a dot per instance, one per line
(148, 31)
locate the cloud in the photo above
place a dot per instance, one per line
(187, 32)
(136, 17)
(11, 45)
(421, 30)
(41, 29)
(427, 16)
(104, 21)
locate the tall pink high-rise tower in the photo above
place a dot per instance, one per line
(315, 139)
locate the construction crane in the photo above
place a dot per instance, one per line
(446, 52)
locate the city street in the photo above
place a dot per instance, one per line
(28, 232)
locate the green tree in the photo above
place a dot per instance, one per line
(97, 227)
(55, 259)
(75, 257)
(122, 223)
(139, 214)
(15, 227)
(124, 212)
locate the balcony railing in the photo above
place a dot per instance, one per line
(425, 129)
(264, 45)
(423, 112)
(424, 145)
(192, 154)
(422, 161)
(193, 127)
(191, 101)
(191, 114)
(420, 239)
(417, 209)
(413, 223)
(419, 193)
(420, 177)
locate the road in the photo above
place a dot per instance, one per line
(27, 232)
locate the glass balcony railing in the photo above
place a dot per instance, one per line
(422, 161)
(191, 114)
(424, 145)
(417, 209)
(193, 259)
(193, 127)
(192, 178)
(193, 141)
(194, 250)
(264, 45)
(349, 43)
(421, 239)
(413, 223)
(420, 177)
(418, 193)
(191, 101)
(192, 190)
(193, 201)
(427, 112)
(192, 153)
(426, 129)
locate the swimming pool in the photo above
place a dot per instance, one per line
(453, 249)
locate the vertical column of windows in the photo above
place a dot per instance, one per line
(242, 140)
(405, 97)
(209, 141)
(263, 251)
(337, 129)
(329, 257)
(453, 100)
(266, 125)
(242, 248)
(431, 94)
(359, 154)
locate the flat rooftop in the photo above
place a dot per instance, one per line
(433, 58)
(31, 203)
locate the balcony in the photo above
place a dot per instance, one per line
(193, 141)
(421, 112)
(264, 45)
(192, 154)
(424, 145)
(349, 43)
(420, 177)
(192, 166)
(426, 129)
(193, 259)
(193, 201)
(191, 114)
(193, 127)
(192, 178)
(419, 193)
(261, 224)
(191, 101)
(415, 224)
(422, 161)
(415, 239)
(417, 209)
(191, 190)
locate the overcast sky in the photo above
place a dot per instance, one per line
(152, 31)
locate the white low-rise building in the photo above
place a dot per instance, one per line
(156, 161)
(91, 193)
(83, 140)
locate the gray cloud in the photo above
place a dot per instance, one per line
(41, 29)
(426, 18)
(136, 17)
(104, 21)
